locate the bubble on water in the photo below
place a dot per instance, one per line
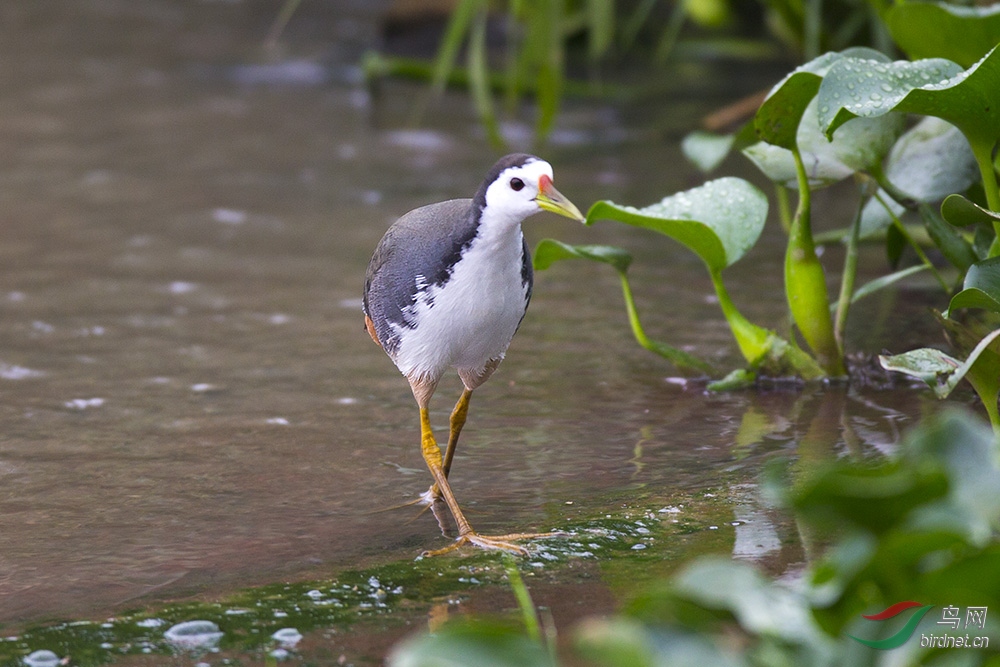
(42, 658)
(181, 287)
(84, 403)
(637, 547)
(191, 635)
(287, 637)
(151, 623)
(9, 372)
(229, 216)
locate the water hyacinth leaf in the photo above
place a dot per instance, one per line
(952, 245)
(777, 121)
(927, 364)
(707, 150)
(961, 212)
(626, 642)
(981, 288)
(761, 607)
(858, 146)
(472, 644)
(882, 282)
(944, 30)
(617, 642)
(967, 451)
(942, 372)
(932, 87)
(550, 251)
(718, 221)
(930, 161)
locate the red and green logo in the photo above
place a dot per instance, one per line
(904, 632)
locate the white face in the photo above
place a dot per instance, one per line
(512, 195)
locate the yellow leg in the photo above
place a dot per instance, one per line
(458, 416)
(432, 456)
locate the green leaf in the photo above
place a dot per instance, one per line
(876, 499)
(616, 642)
(719, 221)
(932, 87)
(929, 162)
(885, 281)
(931, 366)
(550, 251)
(895, 244)
(479, 80)
(707, 150)
(981, 288)
(471, 644)
(944, 30)
(600, 27)
(778, 118)
(762, 608)
(967, 451)
(458, 27)
(952, 245)
(961, 212)
(858, 146)
(940, 371)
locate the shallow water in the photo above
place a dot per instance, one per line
(188, 401)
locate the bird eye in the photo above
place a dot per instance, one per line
(516, 184)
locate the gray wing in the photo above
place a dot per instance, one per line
(419, 250)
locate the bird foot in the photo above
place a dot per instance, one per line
(497, 542)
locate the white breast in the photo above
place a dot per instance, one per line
(471, 319)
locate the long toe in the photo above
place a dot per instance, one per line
(496, 542)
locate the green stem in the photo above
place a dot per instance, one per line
(990, 403)
(984, 158)
(811, 28)
(849, 274)
(677, 357)
(784, 207)
(633, 313)
(917, 248)
(805, 283)
(524, 603)
(754, 341)
(670, 33)
(278, 27)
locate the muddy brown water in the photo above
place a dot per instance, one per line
(188, 401)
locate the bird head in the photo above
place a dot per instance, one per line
(521, 185)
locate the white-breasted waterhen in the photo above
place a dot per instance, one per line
(447, 288)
